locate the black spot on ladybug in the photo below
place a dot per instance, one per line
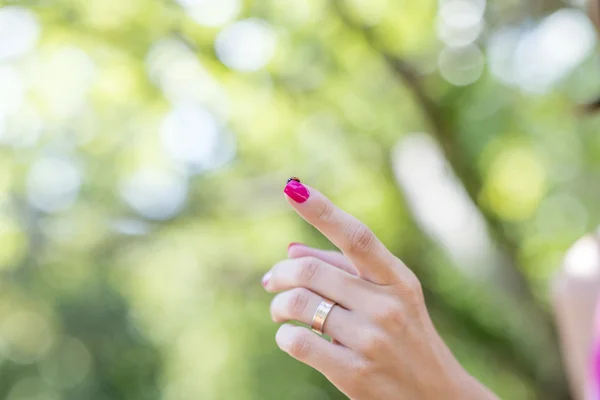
(293, 178)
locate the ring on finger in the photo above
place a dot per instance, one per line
(321, 314)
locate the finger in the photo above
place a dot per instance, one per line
(335, 258)
(332, 360)
(301, 304)
(371, 258)
(324, 279)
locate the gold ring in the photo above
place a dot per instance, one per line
(321, 315)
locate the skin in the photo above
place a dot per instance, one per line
(574, 299)
(385, 345)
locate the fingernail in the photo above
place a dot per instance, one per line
(296, 191)
(266, 278)
(295, 244)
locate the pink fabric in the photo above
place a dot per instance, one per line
(594, 375)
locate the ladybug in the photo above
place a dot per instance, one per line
(293, 178)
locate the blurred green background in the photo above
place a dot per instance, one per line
(144, 146)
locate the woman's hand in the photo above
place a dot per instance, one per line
(385, 345)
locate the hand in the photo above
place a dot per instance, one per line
(385, 345)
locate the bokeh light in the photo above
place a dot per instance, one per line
(191, 135)
(246, 45)
(516, 183)
(21, 129)
(53, 183)
(182, 78)
(549, 52)
(461, 66)
(538, 58)
(155, 194)
(12, 90)
(61, 79)
(212, 12)
(441, 205)
(583, 259)
(460, 22)
(19, 32)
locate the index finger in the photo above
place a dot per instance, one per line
(335, 258)
(371, 258)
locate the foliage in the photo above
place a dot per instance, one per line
(145, 144)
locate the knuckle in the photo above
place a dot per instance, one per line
(310, 270)
(274, 308)
(390, 313)
(325, 211)
(361, 370)
(298, 302)
(361, 238)
(413, 289)
(299, 345)
(373, 344)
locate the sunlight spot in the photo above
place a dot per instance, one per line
(19, 32)
(440, 203)
(246, 45)
(516, 183)
(500, 53)
(21, 129)
(53, 184)
(535, 60)
(461, 66)
(460, 22)
(12, 90)
(583, 259)
(182, 78)
(212, 12)
(548, 53)
(191, 135)
(155, 194)
(61, 79)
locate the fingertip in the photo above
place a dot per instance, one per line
(296, 191)
(293, 244)
(266, 279)
(296, 249)
(272, 308)
(282, 337)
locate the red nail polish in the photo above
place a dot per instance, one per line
(295, 244)
(296, 191)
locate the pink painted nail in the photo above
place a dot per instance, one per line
(266, 278)
(295, 244)
(296, 191)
